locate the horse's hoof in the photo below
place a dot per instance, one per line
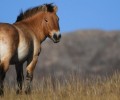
(28, 91)
(1, 93)
(18, 91)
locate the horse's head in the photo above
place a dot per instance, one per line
(51, 23)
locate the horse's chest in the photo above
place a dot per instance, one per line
(23, 50)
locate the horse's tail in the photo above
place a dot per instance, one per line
(0, 62)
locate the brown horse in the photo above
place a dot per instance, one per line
(21, 41)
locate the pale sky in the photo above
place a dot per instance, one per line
(73, 14)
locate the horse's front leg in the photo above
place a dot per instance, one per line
(20, 77)
(30, 68)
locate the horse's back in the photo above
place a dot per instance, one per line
(9, 39)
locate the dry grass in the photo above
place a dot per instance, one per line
(72, 89)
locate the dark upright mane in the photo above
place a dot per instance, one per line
(32, 11)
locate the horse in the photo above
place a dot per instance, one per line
(21, 42)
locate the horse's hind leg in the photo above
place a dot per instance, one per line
(20, 77)
(2, 76)
(3, 69)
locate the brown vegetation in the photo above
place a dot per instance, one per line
(71, 89)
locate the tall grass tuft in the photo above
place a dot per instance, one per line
(71, 88)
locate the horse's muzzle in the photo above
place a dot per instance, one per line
(56, 37)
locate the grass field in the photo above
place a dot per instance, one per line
(71, 89)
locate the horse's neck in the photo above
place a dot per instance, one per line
(35, 26)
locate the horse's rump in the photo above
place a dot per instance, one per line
(8, 40)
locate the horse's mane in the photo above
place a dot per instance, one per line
(32, 11)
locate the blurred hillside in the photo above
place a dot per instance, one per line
(89, 52)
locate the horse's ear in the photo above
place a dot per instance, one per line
(55, 8)
(44, 8)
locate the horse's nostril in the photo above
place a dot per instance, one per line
(55, 36)
(59, 36)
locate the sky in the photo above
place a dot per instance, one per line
(73, 14)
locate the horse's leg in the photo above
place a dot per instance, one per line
(3, 69)
(30, 68)
(20, 77)
(2, 76)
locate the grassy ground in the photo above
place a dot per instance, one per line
(72, 89)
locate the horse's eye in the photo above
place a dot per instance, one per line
(46, 20)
